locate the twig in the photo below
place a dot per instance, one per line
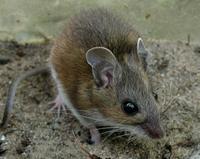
(188, 40)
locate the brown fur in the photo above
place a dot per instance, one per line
(99, 27)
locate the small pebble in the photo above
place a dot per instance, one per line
(3, 138)
(197, 49)
(4, 60)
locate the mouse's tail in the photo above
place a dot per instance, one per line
(13, 88)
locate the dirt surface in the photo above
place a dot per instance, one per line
(35, 132)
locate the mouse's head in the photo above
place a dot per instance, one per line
(125, 97)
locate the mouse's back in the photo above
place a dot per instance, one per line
(100, 27)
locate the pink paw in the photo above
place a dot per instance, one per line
(58, 104)
(95, 136)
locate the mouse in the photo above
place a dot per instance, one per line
(99, 67)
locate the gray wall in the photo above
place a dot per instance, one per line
(35, 20)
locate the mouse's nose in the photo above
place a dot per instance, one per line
(155, 133)
(153, 130)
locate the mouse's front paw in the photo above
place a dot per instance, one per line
(95, 136)
(59, 105)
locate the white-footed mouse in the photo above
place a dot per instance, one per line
(99, 66)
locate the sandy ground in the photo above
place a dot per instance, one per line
(35, 132)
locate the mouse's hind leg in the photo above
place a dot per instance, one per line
(58, 104)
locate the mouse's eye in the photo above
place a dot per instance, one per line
(129, 107)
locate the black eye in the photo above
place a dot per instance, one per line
(129, 107)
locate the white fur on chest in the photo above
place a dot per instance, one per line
(62, 93)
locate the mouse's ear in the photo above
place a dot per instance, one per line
(142, 52)
(103, 64)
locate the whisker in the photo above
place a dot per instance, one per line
(108, 127)
(131, 138)
(87, 117)
(105, 128)
(119, 136)
(111, 133)
(84, 111)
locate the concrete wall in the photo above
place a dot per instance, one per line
(35, 20)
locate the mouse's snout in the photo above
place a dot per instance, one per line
(153, 130)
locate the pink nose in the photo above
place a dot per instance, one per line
(153, 131)
(156, 133)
